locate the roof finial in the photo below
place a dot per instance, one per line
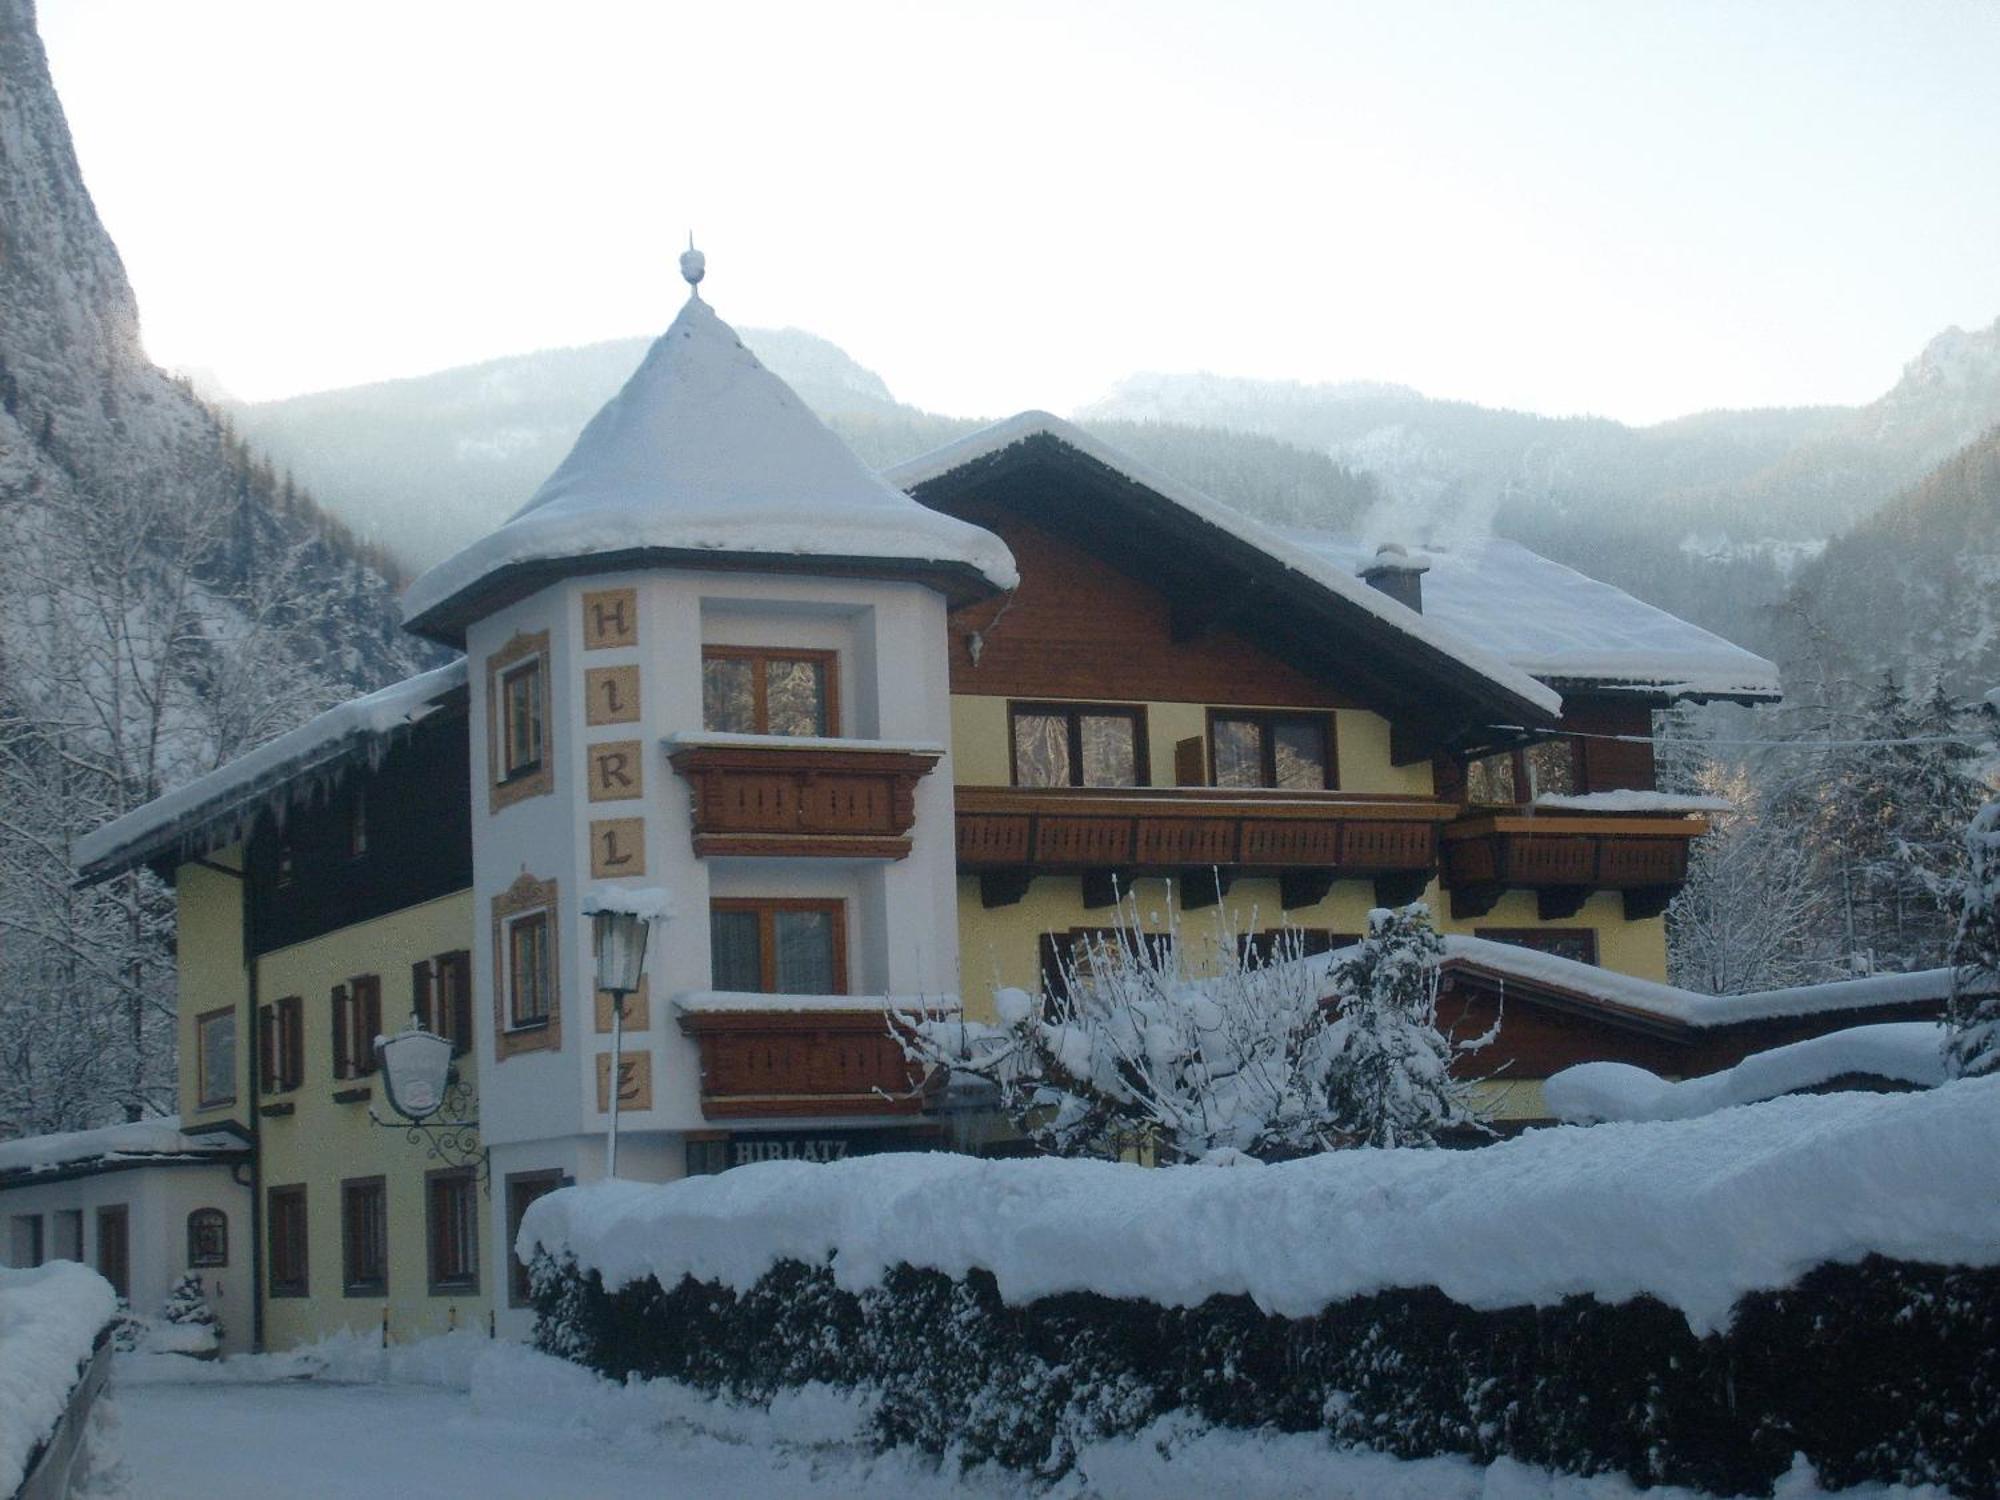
(694, 265)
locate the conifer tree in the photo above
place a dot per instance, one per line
(1972, 1047)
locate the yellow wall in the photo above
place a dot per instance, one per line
(1001, 946)
(210, 967)
(324, 1142)
(980, 755)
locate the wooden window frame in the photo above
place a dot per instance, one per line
(442, 1007)
(1075, 713)
(543, 1180)
(1268, 718)
(525, 895)
(199, 1259)
(350, 1284)
(1257, 949)
(357, 1020)
(767, 908)
(1055, 952)
(1536, 939)
(201, 1023)
(537, 922)
(523, 651)
(289, 1286)
(468, 1285)
(1525, 790)
(760, 711)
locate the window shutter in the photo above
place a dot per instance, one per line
(455, 983)
(267, 1050)
(343, 1062)
(1189, 762)
(292, 1041)
(368, 1015)
(423, 995)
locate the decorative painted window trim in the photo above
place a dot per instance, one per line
(524, 896)
(507, 790)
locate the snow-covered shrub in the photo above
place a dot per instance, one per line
(1974, 1015)
(187, 1324)
(1389, 1079)
(1156, 1040)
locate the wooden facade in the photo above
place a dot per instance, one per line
(802, 1064)
(1563, 858)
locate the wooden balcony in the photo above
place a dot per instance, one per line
(1208, 835)
(1565, 857)
(816, 1061)
(834, 799)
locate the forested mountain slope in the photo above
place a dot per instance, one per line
(165, 601)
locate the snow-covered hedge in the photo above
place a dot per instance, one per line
(49, 1321)
(1692, 1301)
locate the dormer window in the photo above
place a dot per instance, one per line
(768, 690)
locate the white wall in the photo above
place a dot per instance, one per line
(158, 1200)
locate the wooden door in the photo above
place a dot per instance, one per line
(114, 1249)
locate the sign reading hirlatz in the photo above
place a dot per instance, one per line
(718, 1154)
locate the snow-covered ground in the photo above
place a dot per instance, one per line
(460, 1416)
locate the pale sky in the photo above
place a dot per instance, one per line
(1624, 208)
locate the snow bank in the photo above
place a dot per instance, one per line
(1335, 576)
(706, 451)
(1695, 1212)
(142, 1139)
(358, 728)
(49, 1320)
(1906, 1051)
(1634, 802)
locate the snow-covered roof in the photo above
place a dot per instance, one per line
(1668, 1002)
(213, 810)
(1902, 1051)
(707, 455)
(1560, 625)
(142, 1140)
(1334, 577)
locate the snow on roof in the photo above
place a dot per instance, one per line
(211, 810)
(1905, 1051)
(1695, 1212)
(1690, 1007)
(50, 1317)
(1560, 625)
(706, 451)
(1336, 578)
(142, 1140)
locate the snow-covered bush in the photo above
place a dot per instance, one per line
(1154, 1040)
(1389, 1079)
(187, 1325)
(1974, 1016)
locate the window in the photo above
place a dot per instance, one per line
(69, 1234)
(364, 1237)
(114, 1248)
(1511, 777)
(357, 1021)
(282, 1045)
(1075, 954)
(1293, 751)
(208, 1238)
(778, 947)
(1078, 744)
(1283, 944)
(441, 996)
(285, 1226)
(523, 1188)
(521, 720)
(754, 690)
(26, 1250)
(452, 1229)
(1578, 943)
(215, 1053)
(528, 970)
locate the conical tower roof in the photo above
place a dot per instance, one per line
(706, 458)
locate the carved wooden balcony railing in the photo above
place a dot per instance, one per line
(1208, 835)
(839, 799)
(811, 1062)
(1564, 857)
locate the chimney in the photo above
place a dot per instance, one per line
(1398, 574)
